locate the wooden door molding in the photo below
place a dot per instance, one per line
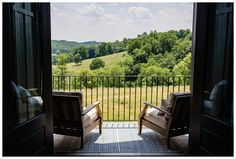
(198, 51)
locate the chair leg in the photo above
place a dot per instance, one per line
(82, 142)
(168, 142)
(140, 126)
(100, 126)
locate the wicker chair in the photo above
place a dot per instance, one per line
(71, 119)
(173, 123)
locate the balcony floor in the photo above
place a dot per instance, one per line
(118, 139)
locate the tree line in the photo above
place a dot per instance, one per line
(154, 53)
(91, 51)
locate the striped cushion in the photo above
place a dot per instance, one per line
(151, 115)
(90, 117)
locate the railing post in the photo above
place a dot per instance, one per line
(52, 82)
(69, 83)
(124, 96)
(129, 97)
(97, 88)
(179, 84)
(86, 84)
(91, 89)
(141, 85)
(157, 94)
(168, 83)
(119, 100)
(113, 97)
(135, 99)
(162, 87)
(58, 84)
(173, 80)
(75, 83)
(102, 93)
(151, 89)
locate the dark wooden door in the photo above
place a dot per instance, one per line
(27, 111)
(211, 124)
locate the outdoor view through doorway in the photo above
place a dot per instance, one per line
(122, 55)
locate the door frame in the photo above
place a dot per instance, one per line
(199, 40)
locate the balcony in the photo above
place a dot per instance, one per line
(121, 100)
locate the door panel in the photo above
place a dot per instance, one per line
(211, 123)
(28, 114)
(30, 102)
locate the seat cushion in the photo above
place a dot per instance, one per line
(151, 115)
(164, 104)
(90, 117)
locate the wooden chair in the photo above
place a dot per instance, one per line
(71, 119)
(177, 122)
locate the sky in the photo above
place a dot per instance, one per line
(105, 22)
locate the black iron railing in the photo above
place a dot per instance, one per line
(122, 97)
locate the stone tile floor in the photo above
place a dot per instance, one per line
(117, 139)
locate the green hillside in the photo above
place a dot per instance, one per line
(109, 61)
(65, 46)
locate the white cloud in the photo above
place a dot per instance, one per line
(92, 10)
(140, 12)
(109, 22)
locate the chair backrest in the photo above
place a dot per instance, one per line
(179, 123)
(67, 110)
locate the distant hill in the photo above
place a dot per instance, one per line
(62, 46)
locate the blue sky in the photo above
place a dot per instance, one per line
(114, 21)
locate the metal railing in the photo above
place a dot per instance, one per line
(121, 97)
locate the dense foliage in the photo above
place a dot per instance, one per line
(63, 46)
(154, 53)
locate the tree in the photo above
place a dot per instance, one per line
(102, 49)
(182, 33)
(91, 51)
(183, 67)
(82, 51)
(109, 49)
(127, 63)
(181, 49)
(54, 56)
(62, 59)
(96, 64)
(168, 60)
(139, 56)
(77, 58)
(148, 49)
(167, 41)
(132, 45)
(154, 70)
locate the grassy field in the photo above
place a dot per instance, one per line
(126, 104)
(109, 60)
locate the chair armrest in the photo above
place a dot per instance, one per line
(90, 107)
(33, 91)
(158, 108)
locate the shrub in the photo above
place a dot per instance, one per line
(96, 64)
